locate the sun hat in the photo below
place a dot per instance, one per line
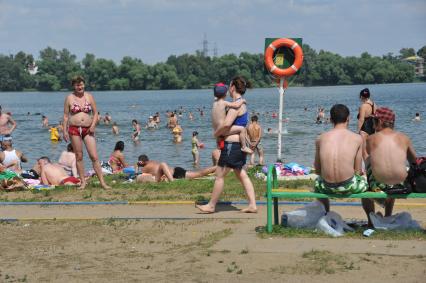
(220, 89)
(385, 114)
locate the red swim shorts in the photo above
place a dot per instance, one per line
(78, 131)
(70, 179)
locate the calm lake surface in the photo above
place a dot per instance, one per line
(298, 141)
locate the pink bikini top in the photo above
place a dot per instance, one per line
(76, 108)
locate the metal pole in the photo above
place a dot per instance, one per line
(280, 117)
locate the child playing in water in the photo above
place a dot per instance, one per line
(219, 115)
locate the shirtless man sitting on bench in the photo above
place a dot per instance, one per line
(388, 152)
(338, 158)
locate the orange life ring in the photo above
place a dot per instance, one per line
(298, 57)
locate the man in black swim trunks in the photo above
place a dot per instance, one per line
(162, 171)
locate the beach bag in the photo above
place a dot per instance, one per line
(417, 175)
(332, 224)
(304, 217)
(399, 221)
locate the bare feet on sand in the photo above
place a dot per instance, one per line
(249, 210)
(205, 208)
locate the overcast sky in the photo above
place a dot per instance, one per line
(153, 30)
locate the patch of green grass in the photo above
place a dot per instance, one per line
(288, 232)
(318, 262)
(193, 190)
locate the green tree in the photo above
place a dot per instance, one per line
(407, 52)
(422, 52)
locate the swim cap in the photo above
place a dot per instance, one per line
(220, 89)
(385, 114)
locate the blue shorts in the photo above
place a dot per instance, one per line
(232, 156)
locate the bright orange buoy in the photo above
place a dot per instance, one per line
(269, 60)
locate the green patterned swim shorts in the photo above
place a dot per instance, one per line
(354, 185)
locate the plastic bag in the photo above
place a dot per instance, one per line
(332, 224)
(305, 217)
(399, 221)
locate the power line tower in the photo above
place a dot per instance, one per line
(215, 50)
(205, 51)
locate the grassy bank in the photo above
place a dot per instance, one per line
(192, 190)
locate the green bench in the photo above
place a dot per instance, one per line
(273, 193)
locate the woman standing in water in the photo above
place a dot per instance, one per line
(365, 118)
(80, 118)
(195, 145)
(136, 130)
(177, 133)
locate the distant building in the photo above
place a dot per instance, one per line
(418, 63)
(32, 69)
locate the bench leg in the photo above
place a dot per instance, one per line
(269, 214)
(276, 218)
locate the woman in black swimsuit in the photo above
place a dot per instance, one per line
(366, 118)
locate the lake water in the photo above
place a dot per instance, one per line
(298, 142)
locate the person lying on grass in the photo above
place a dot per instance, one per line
(161, 170)
(54, 174)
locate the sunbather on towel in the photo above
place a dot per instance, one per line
(388, 152)
(162, 171)
(54, 174)
(338, 158)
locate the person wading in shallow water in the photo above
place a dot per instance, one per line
(80, 118)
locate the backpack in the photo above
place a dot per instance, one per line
(417, 175)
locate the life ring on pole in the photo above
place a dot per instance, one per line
(269, 57)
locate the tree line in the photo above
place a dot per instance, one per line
(194, 71)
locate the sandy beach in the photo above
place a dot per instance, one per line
(176, 243)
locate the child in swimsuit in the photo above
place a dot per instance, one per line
(219, 115)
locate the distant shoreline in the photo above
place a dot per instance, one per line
(204, 88)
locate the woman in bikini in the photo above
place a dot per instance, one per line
(80, 118)
(117, 160)
(366, 118)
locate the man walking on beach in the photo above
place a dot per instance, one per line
(5, 121)
(388, 152)
(254, 132)
(338, 158)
